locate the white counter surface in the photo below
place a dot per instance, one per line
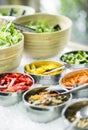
(16, 118)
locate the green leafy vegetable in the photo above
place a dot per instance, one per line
(3, 13)
(42, 26)
(6, 12)
(8, 35)
(76, 57)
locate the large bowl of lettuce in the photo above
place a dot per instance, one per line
(11, 47)
(46, 41)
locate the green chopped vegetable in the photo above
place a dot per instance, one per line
(42, 26)
(76, 57)
(8, 35)
(5, 13)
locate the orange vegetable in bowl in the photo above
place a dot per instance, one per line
(76, 77)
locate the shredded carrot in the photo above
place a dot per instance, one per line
(76, 77)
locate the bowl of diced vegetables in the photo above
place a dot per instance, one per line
(43, 106)
(38, 70)
(69, 114)
(12, 86)
(11, 47)
(74, 79)
(48, 34)
(10, 12)
(76, 59)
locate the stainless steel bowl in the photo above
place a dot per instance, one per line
(43, 114)
(74, 66)
(79, 93)
(10, 98)
(70, 110)
(7, 99)
(45, 79)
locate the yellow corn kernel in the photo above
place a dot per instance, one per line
(35, 97)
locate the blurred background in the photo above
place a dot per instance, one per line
(77, 10)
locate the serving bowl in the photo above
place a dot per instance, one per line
(14, 11)
(45, 44)
(38, 68)
(11, 47)
(69, 113)
(76, 59)
(43, 113)
(74, 79)
(12, 86)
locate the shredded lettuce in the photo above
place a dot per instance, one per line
(9, 35)
(42, 26)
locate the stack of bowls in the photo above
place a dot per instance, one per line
(44, 45)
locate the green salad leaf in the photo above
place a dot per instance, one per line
(3, 13)
(41, 26)
(9, 35)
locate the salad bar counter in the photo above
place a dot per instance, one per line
(15, 117)
(40, 74)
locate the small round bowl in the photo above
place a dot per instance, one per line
(45, 45)
(37, 68)
(46, 113)
(77, 77)
(76, 59)
(13, 95)
(68, 113)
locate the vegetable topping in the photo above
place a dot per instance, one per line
(14, 82)
(47, 99)
(42, 26)
(76, 57)
(77, 77)
(41, 68)
(8, 35)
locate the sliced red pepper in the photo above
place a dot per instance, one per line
(21, 82)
